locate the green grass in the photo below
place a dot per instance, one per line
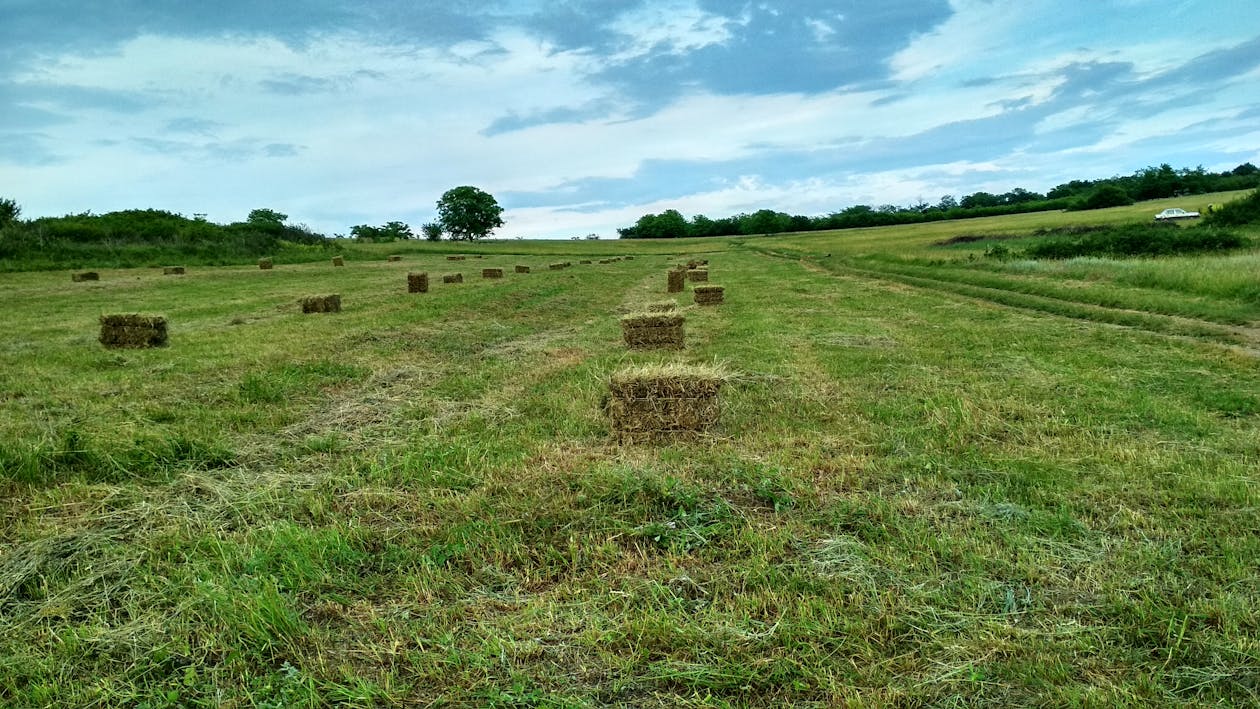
(919, 494)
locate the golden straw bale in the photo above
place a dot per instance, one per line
(708, 294)
(658, 402)
(321, 304)
(645, 331)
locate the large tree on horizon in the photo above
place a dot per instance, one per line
(467, 213)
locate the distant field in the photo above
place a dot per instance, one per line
(937, 481)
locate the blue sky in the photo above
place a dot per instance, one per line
(580, 116)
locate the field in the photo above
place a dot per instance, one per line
(938, 480)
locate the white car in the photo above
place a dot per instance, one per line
(1175, 213)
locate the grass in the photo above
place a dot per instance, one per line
(916, 496)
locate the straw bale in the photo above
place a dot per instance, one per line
(676, 281)
(708, 295)
(338, 261)
(522, 269)
(173, 271)
(395, 257)
(85, 276)
(133, 331)
(653, 403)
(322, 304)
(265, 264)
(605, 261)
(585, 262)
(646, 331)
(629, 258)
(454, 258)
(453, 278)
(492, 273)
(698, 275)
(418, 282)
(556, 267)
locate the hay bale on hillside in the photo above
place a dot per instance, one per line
(418, 282)
(173, 271)
(133, 331)
(584, 262)
(659, 402)
(395, 257)
(556, 267)
(492, 273)
(650, 331)
(698, 275)
(522, 269)
(85, 276)
(676, 281)
(663, 306)
(454, 258)
(708, 295)
(322, 304)
(338, 261)
(265, 264)
(453, 278)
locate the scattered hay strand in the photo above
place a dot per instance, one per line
(454, 258)
(492, 273)
(133, 331)
(173, 271)
(698, 275)
(661, 306)
(85, 276)
(338, 261)
(649, 331)
(418, 282)
(522, 269)
(708, 295)
(663, 401)
(321, 304)
(676, 281)
(265, 264)
(453, 278)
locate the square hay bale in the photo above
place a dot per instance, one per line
(418, 282)
(339, 261)
(522, 269)
(133, 331)
(585, 262)
(662, 306)
(708, 295)
(453, 278)
(85, 276)
(693, 264)
(321, 304)
(556, 267)
(454, 258)
(676, 281)
(395, 257)
(605, 261)
(698, 275)
(265, 264)
(492, 273)
(663, 401)
(173, 271)
(629, 258)
(650, 331)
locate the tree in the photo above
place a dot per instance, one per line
(9, 211)
(431, 231)
(363, 232)
(1106, 196)
(467, 213)
(397, 230)
(266, 216)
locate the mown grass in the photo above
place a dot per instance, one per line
(914, 498)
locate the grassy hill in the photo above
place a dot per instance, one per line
(937, 480)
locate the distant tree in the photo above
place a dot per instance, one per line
(980, 199)
(702, 226)
(591, 237)
(1106, 196)
(765, 221)
(266, 216)
(431, 231)
(363, 232)
(397, 230)
(947, 203)
(1244, 169)
(669, 224)
(467, 213)
(9, 211)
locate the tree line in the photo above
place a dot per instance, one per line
(1148, 183)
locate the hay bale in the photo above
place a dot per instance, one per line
(338, 261)
(585, 262)
(418, 282)
(454, 258)
(522, 269)
(556, 267)
(605, 261)
(395, 257)
(697, 275)
(629, 258)
(133, 331)
(453, 278)
(85, 276)
(676, 281)
(650, 331)
(492, 273)
(321, 304)
(708, 295)
(659, 402)
(173, 271)
(265, 264)
(663, 306)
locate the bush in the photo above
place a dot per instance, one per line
(1137, 240)
(1236, 213)
(1103, 197)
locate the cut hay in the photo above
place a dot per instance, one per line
(395, 257)
(650, 331)
(418, 282)
(85, 276)
(677, 280)
(453, 278)
(492, 273)
(708, 295)
(698, 275)
(133, 331)
(658, 402)
(338, 261)
(454, 258)
(662, 306)
(321, 304)
(173, 271)
(265, 264)
(556, 267)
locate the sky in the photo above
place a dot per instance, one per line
(580, 116)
